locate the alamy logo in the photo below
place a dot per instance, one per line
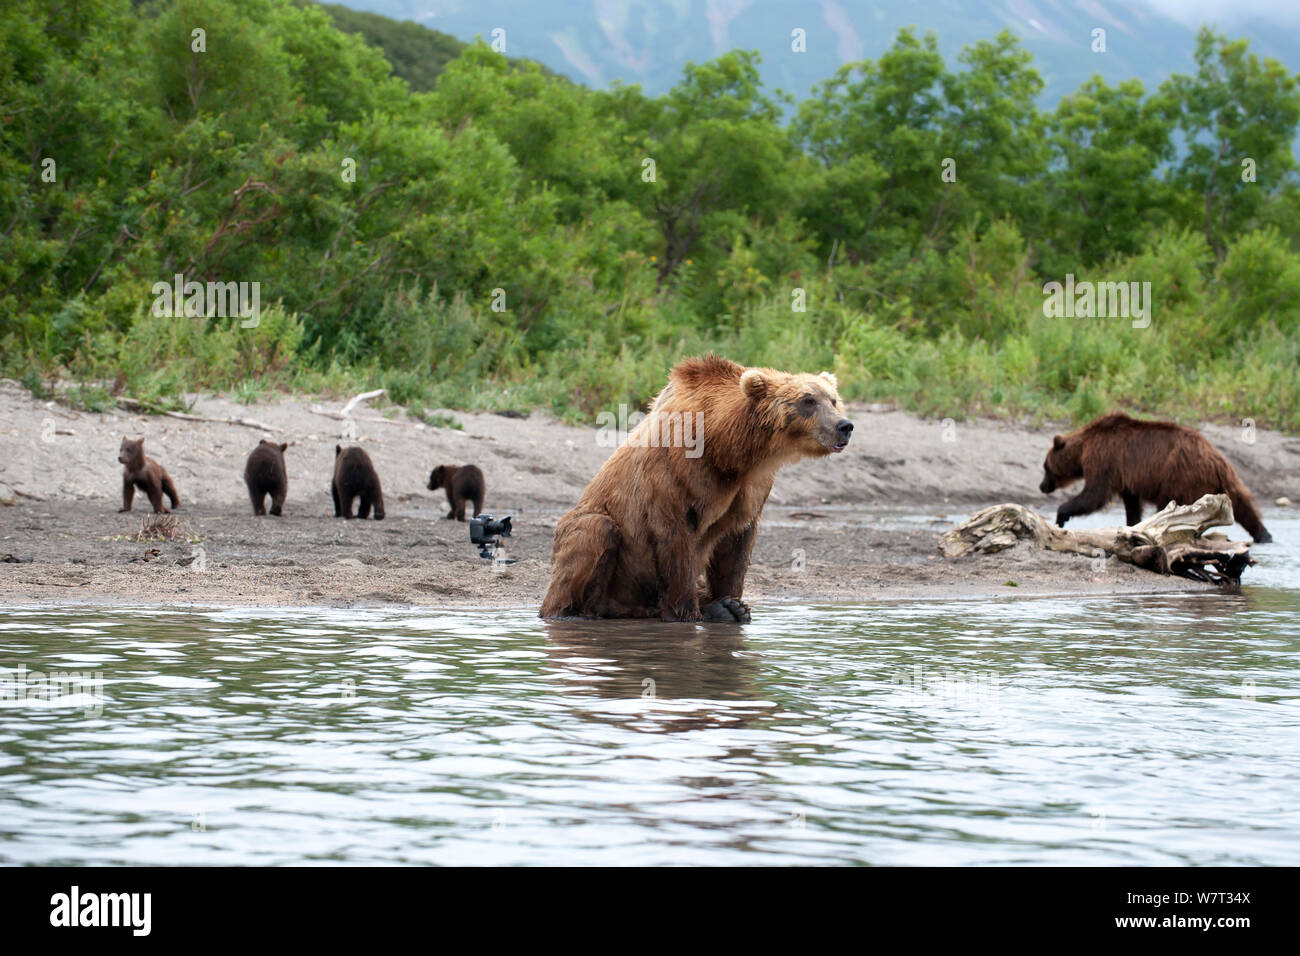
(103, 909)
(656, 430)
(1086, 300)
(84, 689)
(967, 688)
(191, 299)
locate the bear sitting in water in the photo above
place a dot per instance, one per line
(666, 527)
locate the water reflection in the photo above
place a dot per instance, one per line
(1082, 730)
(685, 676)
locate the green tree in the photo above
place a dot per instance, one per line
(718, 152)
(1235, 110)
(877, 130)
(1107, 144)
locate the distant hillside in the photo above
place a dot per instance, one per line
(649, 41)
(417, 54)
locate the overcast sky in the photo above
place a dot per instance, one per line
(1195, 12)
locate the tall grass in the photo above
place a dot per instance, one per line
(952, 336)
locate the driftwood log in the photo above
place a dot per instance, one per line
(345, 413)
(1172, 541)
(135, 405)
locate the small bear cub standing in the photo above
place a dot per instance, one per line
(265, 474)
(463, 483)
(355, 477)
(141, 471)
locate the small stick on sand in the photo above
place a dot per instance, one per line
(134, 405)
(233, 420)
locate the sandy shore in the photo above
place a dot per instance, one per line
(862, 526)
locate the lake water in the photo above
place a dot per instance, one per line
(1109, 730)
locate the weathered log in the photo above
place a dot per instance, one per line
(135, 405)
(345, 414)
(1172, 541)
(232, 420)
(346, 411)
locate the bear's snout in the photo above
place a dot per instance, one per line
(843, 429)
(1047, 486)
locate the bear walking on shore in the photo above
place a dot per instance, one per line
(666, 527)
(355, 477)
(464, 483)
(1142, 461)
(141, 471)
(265, 475)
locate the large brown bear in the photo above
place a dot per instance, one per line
(355, 477)
(1142, 461)
(264, 474)
(464, 483)
(666, 527)
(141, 471)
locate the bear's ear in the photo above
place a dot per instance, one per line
(338, 450)
(284, 446)
(753, 383)
(1058, 441)
(831, 379)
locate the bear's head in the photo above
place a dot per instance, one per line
(131, 453)
(282, 447)
(1063, 464)
(805, 409)
(440, 476)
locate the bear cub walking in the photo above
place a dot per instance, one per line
(265, 475)
(141, 471)
(464, 483)
(355, 477)
(1142, 461)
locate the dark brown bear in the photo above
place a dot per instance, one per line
(667, 526)
(464, 483)
(355, 476)
(141, 471)
(265, 475)
(1143, 461)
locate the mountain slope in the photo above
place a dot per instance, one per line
(648, 41)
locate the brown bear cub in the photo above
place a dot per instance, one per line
(265, 475)
(1143, 461)
(355, 477)
(464, 483)
(142, 472)
(666, 527)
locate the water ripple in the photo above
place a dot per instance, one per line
(1137, 731)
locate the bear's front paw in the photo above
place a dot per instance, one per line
(727, 610)
(1061, 519)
